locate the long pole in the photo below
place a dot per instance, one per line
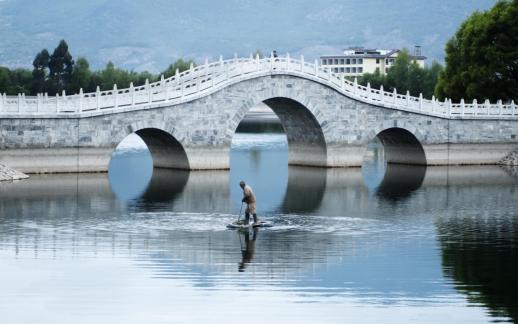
(240, 210)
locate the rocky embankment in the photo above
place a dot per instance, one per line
(7, 174)
(511, 159)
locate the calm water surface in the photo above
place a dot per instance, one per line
(393, 244)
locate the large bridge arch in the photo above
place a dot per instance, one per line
(166, 150)
(402, 146)
(302, 120)
(306, 141)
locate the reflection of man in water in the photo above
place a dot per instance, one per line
(248, 249)
(249, 199)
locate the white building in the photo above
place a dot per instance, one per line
(358, 60)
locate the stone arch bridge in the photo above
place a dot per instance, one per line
(188, 120)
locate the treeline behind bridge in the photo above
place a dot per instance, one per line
(53, 73)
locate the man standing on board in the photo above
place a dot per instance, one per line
(249, 199)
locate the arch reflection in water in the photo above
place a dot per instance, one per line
(391, 181)
(400, 181)
(305, 189)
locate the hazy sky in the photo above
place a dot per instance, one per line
(150, 34)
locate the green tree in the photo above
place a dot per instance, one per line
(21, 81)
(376, 79)
(398, 74)
(5, 80)
(40, 72)
(61, 66)
(81, 77)
(482, 56)
(180, 64)
(112, 75)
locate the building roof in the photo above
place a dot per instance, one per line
(368, 55)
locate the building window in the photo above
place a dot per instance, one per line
(347, 70)
(360, 70)
(347, 61)
(342, 70)
(323, 62)
(341, 61)
(353, 61)
(353, 70)
(377, 61)
(336, 61)
(386, 61)
(360, 61)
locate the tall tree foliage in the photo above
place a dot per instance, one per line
(61, 66)
(81, 77)
(40, 72)
(482, 57)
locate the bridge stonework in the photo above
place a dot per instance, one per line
(324, 127)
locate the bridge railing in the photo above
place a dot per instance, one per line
(200, 80)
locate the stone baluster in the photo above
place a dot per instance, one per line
(512, 107)
(271, 61)
(394, 96)
(407, 98)
(382, 94)
(449, 107)
(132, 94)
(288, 62)
(1, 102)
(316, 67)
(19, 102)
(500, 108)
(177, 77)
(206, 66)
(368, 90)
(355, 86)
(57, 102)
(302, 63)
(421, 102)
(98, 97)
(38, 102)
(150, 90)
(162, 86)
(115, 93)
(487, 104)
(81, 95)
(434, 104)
(257, 62)
(462, 107)
(329, 75)
(342, 79)
(475, 107)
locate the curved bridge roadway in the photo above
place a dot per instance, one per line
(188, 121)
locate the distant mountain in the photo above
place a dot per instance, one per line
(147, 35)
